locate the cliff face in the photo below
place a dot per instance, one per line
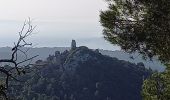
(84, 74)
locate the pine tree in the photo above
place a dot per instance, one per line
(142, 26)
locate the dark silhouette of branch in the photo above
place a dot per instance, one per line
(26, 31)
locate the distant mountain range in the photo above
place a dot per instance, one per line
(44, 52)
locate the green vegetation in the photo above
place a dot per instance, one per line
(81, 74)
(157, 87)
(142, 26)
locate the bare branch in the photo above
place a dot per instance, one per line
(26, 31)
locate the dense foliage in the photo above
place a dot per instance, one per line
(81, 74)
(142, 26)
(139, 25)
(157, 87)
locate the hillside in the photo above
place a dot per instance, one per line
(81, 74)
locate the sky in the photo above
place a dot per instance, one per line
(57, 22)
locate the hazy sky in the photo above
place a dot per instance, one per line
(58, 21)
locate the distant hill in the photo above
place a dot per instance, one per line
(44, 52)
(154, 64)
(81, 74)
